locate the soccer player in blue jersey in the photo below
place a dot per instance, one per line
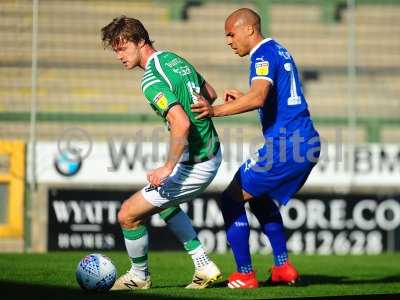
(283, 163)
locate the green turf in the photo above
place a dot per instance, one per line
(52, 276)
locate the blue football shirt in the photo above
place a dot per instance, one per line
(285, 109)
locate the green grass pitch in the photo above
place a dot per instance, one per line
(52, 276)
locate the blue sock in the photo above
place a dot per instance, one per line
(237, 232)
(270, 219)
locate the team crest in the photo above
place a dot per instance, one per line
(161, 101)
(262, 68)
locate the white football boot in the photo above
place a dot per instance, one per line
(205, 277)
(130, 281)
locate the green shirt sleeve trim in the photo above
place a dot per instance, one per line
(144, 87)
(160, 70)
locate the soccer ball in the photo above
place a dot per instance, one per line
(96, 272)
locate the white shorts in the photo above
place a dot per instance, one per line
(185, 183)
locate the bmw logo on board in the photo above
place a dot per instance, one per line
(74, 145)
(67, 164)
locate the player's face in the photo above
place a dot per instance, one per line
(128, 53)
(237, 38)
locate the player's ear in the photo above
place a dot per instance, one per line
(250, 29)
(141, 43)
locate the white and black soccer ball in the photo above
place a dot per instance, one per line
(96, 272)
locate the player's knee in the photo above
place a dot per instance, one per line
(227, 201)
(229, 197)
(127, 219)
(265, 210)
(122, 217)
(234, 192)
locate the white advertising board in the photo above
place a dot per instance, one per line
(126, 163)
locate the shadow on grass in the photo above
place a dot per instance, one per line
(16, 290)
(307, 280)
(343, 280)
(323, 279)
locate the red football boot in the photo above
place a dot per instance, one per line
(243, 280)
(284, 274)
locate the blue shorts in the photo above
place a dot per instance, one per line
(279, 171)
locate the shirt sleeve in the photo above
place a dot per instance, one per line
(263, 67)
(160, 97)
(200, 79)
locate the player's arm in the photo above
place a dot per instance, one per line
(165, 102)
(232, 94)
(179, 125)
(253, 99)
(208, 92)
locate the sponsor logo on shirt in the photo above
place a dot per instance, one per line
(161, 101)
(183, 71)
(262, 68)
(173, 62)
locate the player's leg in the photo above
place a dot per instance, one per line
(191, 181)
(270, 219)
(131, 217)
(180, 224)
(280, 183)
(184, 185)
(283, 182)
(237, 232)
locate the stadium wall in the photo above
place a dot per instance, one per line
(56, 79)
(78, 200)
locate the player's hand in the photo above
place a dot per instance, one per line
(203, 107)
(157, 176)
(232, 94)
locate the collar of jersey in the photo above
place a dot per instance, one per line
(152, 56)
(258, 46)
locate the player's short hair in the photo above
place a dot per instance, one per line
(124, 29)
(249, 15)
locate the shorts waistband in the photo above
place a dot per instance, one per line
(203, 159)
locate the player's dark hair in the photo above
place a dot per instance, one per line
(124, 29)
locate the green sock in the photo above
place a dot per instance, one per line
(136, 242)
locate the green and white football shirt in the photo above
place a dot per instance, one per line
(169, 80)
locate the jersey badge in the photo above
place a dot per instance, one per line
(161, 101)
(262, 68)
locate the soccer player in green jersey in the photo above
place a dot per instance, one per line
(170, 85)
